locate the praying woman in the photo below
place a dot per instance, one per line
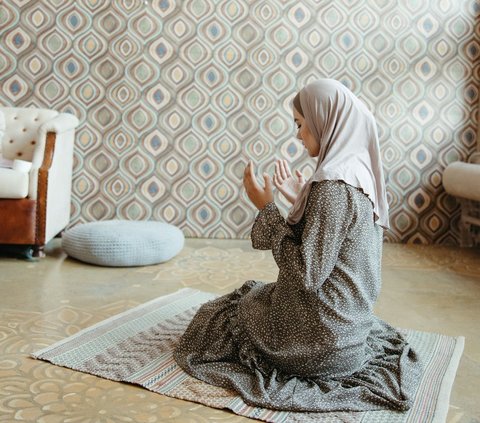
(310, 341)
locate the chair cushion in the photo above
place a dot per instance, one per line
(122, 243)
(13, 183)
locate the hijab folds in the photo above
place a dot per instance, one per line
(349, 147)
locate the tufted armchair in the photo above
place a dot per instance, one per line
(36, 160)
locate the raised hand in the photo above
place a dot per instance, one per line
(259, 196)
(288, 185)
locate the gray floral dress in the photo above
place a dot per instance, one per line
(310, 340)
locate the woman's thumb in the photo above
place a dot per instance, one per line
(268, 181)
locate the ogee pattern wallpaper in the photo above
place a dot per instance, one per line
(175, 96)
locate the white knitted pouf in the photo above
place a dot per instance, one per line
(122, 243)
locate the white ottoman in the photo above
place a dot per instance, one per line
(123, 243)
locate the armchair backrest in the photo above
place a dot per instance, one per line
(22, 131)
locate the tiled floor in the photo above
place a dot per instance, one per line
(431, 288)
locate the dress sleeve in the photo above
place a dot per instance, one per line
(311, 259)
(269, 223)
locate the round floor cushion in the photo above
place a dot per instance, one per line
(121, 243)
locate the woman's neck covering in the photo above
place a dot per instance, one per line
(349, 148)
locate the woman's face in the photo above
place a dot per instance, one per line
(304, 134)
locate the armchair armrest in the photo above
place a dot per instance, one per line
(61, 123)
(55, 141)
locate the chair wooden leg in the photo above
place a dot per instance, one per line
(38, 251)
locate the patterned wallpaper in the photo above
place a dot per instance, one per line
(175, 96)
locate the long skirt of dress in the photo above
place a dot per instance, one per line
(217, 350)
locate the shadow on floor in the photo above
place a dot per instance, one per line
(21, 252)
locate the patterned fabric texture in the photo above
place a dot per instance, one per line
(137, 346)
(174, 98)
(120, 243)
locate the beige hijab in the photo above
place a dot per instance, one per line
(349, 148)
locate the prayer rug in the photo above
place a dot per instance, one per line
(137, 347)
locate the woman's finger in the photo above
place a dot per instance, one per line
(300, 176)
(283, 173)
(253, 180)
(246, 172)
(275, 181)
(247, 179)
(286, 169)
(278, 172)
(282, 170)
